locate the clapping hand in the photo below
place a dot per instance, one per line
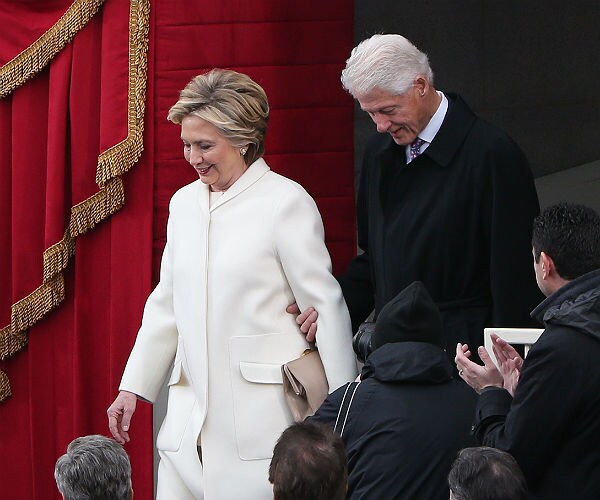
(509, 363)
(477, 376)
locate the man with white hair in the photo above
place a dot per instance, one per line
(445, 198)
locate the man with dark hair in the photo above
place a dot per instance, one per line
(570, 234)
(309, 463)
(484, 473)
(94, 468)
(408, 416)
(545, 410)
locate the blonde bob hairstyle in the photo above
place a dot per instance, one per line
(234, 103)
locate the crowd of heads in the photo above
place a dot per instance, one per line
(309, 462)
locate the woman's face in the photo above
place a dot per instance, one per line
(218, 163)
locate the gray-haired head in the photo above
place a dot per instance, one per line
(93, 468)
(386, 62)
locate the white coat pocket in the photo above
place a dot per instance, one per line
(259, 409)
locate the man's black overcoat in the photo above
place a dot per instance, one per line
(458, 218)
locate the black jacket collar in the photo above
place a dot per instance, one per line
(576, 305)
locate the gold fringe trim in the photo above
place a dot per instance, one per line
(88, 213)
(11, 343)
(4, 386)
(57, 256)
(122, 156)
(35, 57)
(111, 164)
(29, 310)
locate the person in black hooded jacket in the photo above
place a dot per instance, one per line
(408, 417)
(552, 424)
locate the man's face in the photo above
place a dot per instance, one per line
(401, 116)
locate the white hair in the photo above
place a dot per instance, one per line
(387, 62)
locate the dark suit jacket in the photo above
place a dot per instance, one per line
(458, 218)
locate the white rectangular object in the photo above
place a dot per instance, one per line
(521, 336)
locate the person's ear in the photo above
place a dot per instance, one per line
(421, 85)
(547, 265)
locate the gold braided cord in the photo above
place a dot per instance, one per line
(36, 57)
(84, 216)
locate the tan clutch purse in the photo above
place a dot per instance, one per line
(304, 384)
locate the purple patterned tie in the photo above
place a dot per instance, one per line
(415, 147)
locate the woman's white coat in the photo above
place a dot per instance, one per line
(217, 318)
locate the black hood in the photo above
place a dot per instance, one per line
(411, 316)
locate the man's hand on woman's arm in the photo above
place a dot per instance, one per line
(307, 320)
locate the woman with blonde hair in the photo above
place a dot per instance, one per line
(242, 243)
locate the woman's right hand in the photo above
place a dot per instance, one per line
(119, 415)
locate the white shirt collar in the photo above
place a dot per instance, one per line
(432, 128)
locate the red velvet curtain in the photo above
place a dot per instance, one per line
(53, 130)
(61, 151)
